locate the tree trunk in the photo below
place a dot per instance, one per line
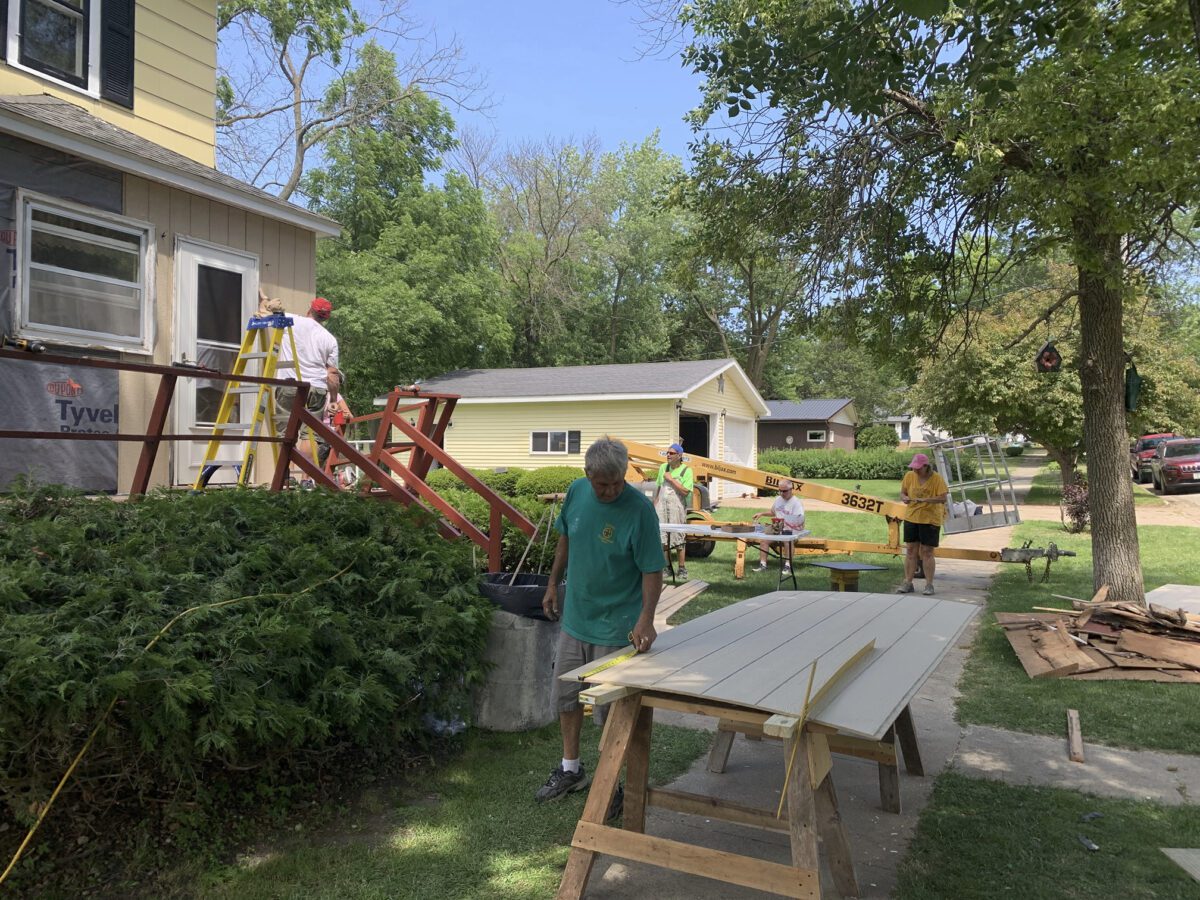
(1066, 460)
(1115, 558)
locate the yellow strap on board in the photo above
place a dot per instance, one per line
(610, 663)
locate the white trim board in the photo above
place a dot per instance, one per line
(756, 654)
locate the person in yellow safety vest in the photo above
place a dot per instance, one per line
(673, 488)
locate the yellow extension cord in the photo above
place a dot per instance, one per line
(112, 704)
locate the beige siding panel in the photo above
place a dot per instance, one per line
(218, 224)
(237, 228)
(287, 263)
(490, 435)
(199, 226)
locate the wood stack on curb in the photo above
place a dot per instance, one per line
(1100, 640)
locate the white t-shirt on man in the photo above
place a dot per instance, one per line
(317, 349)
(790, 510)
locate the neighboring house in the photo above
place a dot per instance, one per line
(121, 238)
(913, 431)
(809, 425)
(532, 418)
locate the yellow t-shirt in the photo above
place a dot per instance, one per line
(918, 511)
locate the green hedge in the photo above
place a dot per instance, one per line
(851, 465)
(1013, 450)
(550, 480)
(503, 483)
(316, 660)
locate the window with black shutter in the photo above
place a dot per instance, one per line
(116, 52)
(54, 38)
(572, 441)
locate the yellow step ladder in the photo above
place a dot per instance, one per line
(267, 334)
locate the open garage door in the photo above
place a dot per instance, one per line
(739, 449)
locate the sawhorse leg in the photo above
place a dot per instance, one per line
(906, 732)
(739, 563)
(903, 736)
(614, 744)
(637, 772)
(813, 812)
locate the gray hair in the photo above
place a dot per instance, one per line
(606, 458)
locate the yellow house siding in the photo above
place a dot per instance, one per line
(285, 270)
(487, 435)
(175, 65)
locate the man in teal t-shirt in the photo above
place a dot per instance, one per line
(608, 545)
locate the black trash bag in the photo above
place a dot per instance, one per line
(523, 597)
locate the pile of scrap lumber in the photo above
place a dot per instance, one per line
(1101, 640)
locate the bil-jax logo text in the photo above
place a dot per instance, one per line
(68, 388)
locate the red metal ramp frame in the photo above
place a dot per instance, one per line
(398, 469)
(423, 446)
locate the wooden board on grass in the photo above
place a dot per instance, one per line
(1035, 656)
(1185, 653)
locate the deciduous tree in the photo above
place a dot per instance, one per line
(936, 137)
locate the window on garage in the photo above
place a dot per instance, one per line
(559, 442)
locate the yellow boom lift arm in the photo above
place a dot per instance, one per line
(644, 460)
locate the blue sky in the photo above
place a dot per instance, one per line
(566, 68)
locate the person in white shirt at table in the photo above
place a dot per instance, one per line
(788, 508)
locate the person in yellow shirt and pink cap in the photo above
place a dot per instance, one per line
(924, 492)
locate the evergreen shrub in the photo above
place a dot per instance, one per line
(550, 480)
(315, 661)
(877, 436)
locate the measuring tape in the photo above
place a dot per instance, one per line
(610, 663)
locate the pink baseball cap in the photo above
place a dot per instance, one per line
(918, 461)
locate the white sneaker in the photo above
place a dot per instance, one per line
(761, 567)
(787, 569)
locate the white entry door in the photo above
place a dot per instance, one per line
(216, 292)
(739, 448)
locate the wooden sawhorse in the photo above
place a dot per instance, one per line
(901, 736)
(811, 806)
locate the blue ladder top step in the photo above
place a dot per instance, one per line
(276, 321)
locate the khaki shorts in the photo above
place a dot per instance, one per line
(572, 653)
(283, 408)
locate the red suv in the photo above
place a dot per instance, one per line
(1176, 464)
(1142, 452)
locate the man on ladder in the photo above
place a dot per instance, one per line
(317, 364)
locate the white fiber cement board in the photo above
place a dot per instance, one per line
(756, 654)
(865, 705)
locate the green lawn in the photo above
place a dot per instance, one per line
(985, 839)
(996, 690)
(472, 830)
(1046, 490)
